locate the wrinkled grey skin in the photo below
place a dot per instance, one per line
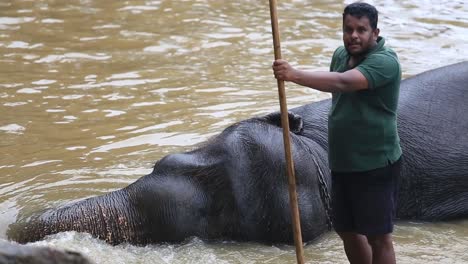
(234, 186)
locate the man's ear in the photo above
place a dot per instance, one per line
(376, 33)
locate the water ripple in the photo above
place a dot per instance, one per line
(15, 20)
(72, 57)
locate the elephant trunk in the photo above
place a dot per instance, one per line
(108, 217)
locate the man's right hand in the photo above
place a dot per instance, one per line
(283, 70)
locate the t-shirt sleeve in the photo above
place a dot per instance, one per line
(379, 69)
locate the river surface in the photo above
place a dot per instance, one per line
(92, 93)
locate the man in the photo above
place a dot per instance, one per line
(364, 148)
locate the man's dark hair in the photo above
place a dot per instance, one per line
(360, 9)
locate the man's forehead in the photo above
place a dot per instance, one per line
(362, 21)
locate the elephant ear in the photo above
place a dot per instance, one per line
(296, 125)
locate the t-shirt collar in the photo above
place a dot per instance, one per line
(379, 46)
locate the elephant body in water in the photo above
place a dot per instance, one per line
(234, 185)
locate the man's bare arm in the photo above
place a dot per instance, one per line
(351, 80)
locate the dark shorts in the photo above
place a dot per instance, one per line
(365, 202)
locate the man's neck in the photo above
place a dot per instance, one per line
(354, 61)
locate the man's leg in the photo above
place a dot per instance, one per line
(356, 247)
(382, 249)
(375, 205)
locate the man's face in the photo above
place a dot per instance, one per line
(358, 35)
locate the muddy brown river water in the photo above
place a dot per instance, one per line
(92, 93)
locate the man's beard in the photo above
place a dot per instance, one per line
(359, 53)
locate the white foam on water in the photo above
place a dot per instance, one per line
(13, 128)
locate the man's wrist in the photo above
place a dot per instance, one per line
(295, 76)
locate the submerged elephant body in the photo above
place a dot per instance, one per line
(234, 185)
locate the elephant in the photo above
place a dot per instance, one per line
(234, 185)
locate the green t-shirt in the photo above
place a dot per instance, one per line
(362, 125)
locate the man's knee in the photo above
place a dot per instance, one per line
(352, 237)
(380, 241)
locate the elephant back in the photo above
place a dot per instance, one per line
(433, 125)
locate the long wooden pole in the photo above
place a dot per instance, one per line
(287, 145)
